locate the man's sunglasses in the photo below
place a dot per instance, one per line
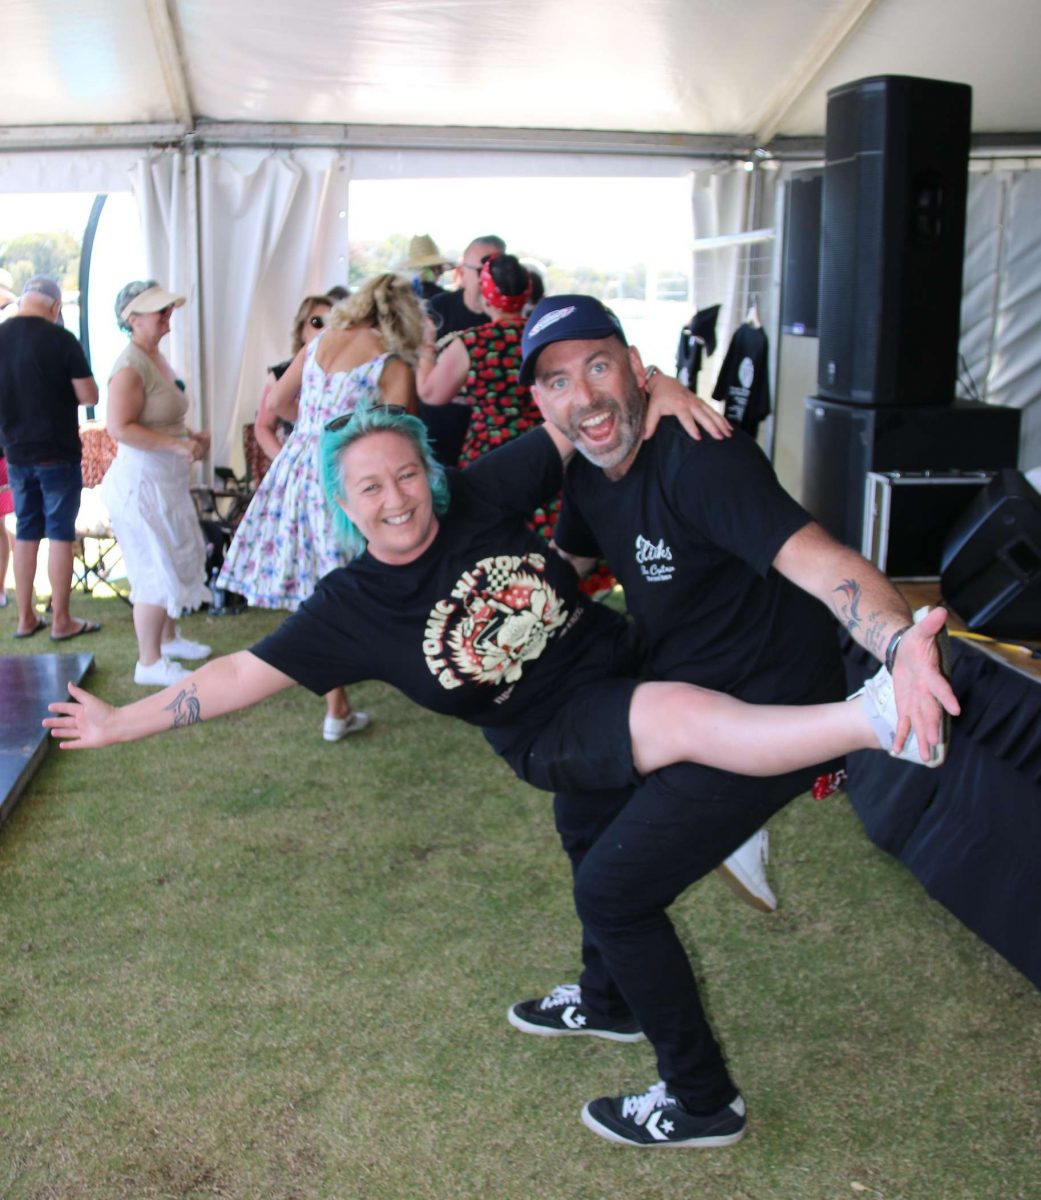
(344, 419)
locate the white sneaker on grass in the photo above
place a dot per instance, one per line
(161, 673)
(335, 729)
(182, 647)
(744, 872)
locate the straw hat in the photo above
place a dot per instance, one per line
(423, 252)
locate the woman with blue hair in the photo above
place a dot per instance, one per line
(453, 600)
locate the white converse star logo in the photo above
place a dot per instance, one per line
(659, 1129)
(572, 1018)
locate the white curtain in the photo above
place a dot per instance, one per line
(1001, 297)
(720, 200)
(162, 188)
(244, 235)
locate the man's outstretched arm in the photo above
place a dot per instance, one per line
(873, 612)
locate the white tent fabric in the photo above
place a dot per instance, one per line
(270, 224)
(749, 70)
(1014, 363)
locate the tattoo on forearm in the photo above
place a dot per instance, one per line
(875, 638)
(869, 630)
(185, 708)
(847, 605)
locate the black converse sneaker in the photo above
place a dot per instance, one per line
(658, 1119)
(561, 1014)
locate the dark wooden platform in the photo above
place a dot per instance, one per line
(28, 683)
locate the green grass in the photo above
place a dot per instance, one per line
(236, 961)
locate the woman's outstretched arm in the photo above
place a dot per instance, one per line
(236, 681)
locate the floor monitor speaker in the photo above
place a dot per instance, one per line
(991, 565)
(892, 240)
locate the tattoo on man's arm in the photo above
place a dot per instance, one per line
(847, 605)
(185, 708)
(875, 638)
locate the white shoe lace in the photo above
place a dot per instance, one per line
(640, 1107)
(561, 996)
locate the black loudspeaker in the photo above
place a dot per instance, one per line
(892, 240)
(991, 566)
(802, 254)
(842, 442)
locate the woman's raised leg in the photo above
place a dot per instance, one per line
(678, 722)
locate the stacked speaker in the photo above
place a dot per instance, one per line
(892, 234)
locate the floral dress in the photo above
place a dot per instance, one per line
(284, 543)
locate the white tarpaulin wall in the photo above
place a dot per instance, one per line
(1001, 297)
(236, 233)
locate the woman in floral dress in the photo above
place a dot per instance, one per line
(284, 543)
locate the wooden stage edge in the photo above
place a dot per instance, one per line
(28, 684)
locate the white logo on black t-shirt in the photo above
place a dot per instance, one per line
(655, 559)
(500, 615)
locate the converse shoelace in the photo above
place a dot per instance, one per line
(561, 996)
(640, 1107)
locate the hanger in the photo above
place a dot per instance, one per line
(752, 316)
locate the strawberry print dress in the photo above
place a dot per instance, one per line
(500, 407)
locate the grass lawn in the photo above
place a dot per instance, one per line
(236, 961)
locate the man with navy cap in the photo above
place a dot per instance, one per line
(44, 378)
(723, 573)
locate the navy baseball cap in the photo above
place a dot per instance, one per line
(565, 319)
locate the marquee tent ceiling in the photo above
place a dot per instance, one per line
(736, 72)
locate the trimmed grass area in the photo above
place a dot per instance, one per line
(236, 961)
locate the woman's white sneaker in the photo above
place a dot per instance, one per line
(161, 673)
(182, 647)
(335, 729)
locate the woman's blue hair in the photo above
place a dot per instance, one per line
(365, 419)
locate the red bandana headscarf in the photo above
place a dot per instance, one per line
(490, 291)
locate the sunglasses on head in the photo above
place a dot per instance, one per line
(316, 322)
(344, 419)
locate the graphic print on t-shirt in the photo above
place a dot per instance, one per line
(655, 559)
(501, 614)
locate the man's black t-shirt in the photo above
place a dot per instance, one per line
(690, 532)
(487, 624)
(450, 314)
(39, 415)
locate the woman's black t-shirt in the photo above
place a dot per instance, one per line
(487, 625)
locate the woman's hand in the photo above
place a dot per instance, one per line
(669, 398)
(83, 723)
(200, 443)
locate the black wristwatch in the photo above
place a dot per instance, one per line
(891, 649)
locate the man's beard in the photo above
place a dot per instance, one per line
(628, 413)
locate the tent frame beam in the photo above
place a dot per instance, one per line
(215, 134)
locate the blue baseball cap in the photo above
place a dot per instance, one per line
(565, 319)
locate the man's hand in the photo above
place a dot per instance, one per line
(667, 397)
(921, 689)
(83, 723)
